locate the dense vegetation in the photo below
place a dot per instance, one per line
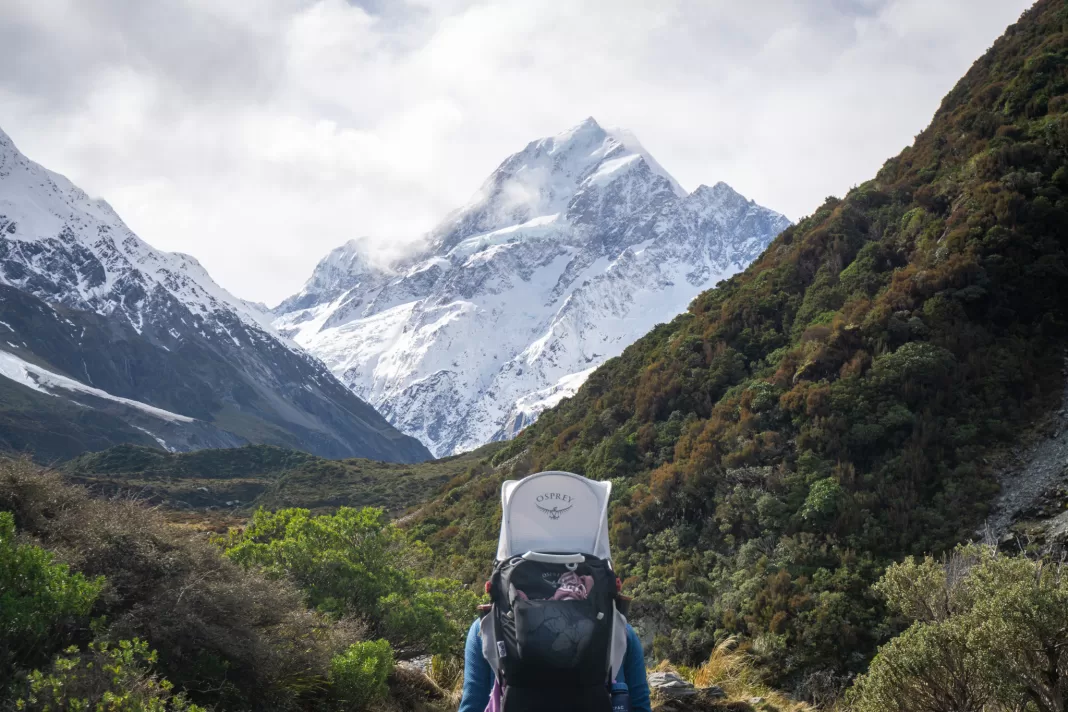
(355, 563)
(989, 634)
(246, 478)
(106, 606)
(832, 409)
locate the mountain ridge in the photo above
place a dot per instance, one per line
(88, 300)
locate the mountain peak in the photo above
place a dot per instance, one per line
(720, 192)
(340, 270)
(197, 368)
(573, 247)
(352, 255)
(545, 178)
(585, 129)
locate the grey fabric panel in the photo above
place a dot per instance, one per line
(489, 643)
(619, 643)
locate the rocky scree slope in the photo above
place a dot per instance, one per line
(832, 408)
(1034, 487)
(104, 340)
(570, 250)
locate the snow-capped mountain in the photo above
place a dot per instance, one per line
(145, 344)
(570, 250)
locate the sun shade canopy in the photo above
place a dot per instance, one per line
(554, 512)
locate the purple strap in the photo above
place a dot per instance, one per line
(495, 698)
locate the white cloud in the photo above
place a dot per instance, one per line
(259, 134)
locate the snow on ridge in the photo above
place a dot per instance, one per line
(609, 170)
(162, 443)
(537, 227)
(632, 144)
(532, 404)
(40, 206)
(45, 381)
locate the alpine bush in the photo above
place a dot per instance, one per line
(38, 598)
(105, 678)
(357, 564)
(989, 633)
(358, 676)
(232, 639)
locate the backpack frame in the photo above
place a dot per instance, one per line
(554, 654)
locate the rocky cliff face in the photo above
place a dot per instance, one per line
(570, 250)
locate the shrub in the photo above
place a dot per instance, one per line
(989, 633)
(358, 676)
(232, 638)
(105, 678)
(356, 563)
(37, 598)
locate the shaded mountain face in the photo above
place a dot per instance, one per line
(841, 403)
(145, 345)
(574, 247)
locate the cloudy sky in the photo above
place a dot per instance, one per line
(258, 134)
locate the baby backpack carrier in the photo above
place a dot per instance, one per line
(554, 633)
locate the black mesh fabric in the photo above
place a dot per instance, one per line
(556, 635)
(553, 651)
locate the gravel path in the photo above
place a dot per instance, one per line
(1044, 465)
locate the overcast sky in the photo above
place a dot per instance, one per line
(259, 134)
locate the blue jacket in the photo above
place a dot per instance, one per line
(478, 675)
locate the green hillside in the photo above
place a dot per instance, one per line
(246, 478)
(833, 408)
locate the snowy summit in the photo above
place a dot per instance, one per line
(572, 249)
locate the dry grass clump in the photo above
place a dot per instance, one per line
(230, 637)
(731, 668)
(447, 672)
(412, 691)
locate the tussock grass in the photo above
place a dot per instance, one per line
(731, 667)
(447, 672)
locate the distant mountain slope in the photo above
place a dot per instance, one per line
(835, 407)
(85, 301)
(245, 478)
(570, 250)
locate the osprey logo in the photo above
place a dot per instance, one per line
(557, 501)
